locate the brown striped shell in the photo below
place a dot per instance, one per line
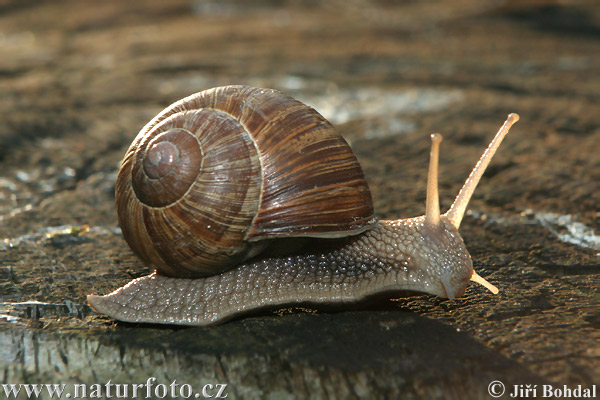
(210, 179)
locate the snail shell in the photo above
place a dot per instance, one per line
(213, 177)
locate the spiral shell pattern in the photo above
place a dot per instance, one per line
(209, 179)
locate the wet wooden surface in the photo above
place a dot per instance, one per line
(80, 78)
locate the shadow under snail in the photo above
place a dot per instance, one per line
(244, 198)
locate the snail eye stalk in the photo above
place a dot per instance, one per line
(457, 210)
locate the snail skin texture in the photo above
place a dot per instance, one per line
(244, 199)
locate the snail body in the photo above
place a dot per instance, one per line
(244, 198)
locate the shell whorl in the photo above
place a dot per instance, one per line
(214, 174)
(166, 166)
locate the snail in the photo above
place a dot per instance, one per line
(244, 199)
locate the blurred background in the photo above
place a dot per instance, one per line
(79, 79)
